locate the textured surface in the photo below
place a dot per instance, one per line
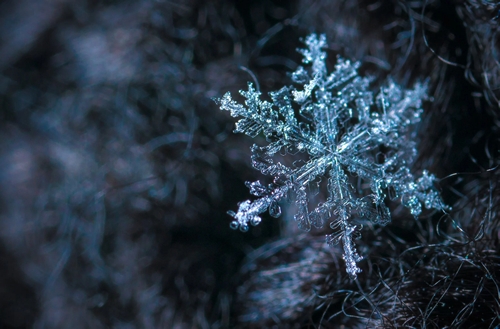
(117, 168)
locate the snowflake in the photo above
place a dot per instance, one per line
(362, 144)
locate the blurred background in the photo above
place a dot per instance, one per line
(117, 167)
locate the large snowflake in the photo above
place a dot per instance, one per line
(361, 143)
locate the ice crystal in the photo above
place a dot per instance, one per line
(362, 144)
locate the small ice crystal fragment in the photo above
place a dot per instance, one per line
(256, 188)
(255, 220)
(318, 217)
(342, 127)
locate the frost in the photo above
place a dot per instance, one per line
(359, 143)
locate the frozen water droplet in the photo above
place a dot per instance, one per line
(275, 210)
(234, 225)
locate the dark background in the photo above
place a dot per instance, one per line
(117, 168)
